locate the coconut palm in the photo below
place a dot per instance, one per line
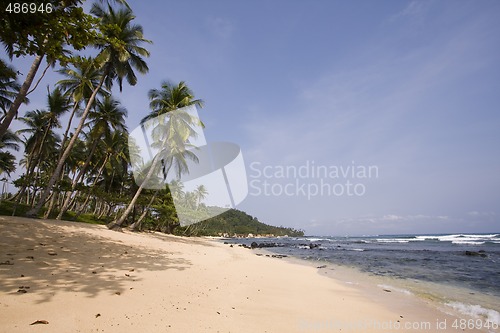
(80, 80)
(7, 160)
(40, 125)
(41, 143)
(36, 123)
(171, 137)
(120, 52)
(45, 35)
(111, 145)
(108, 115)
(169, 98)
(200, 194)
(176, 188)
(57, 104)
(8, 86)
(20, 97)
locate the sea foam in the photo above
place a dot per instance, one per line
(476, 311)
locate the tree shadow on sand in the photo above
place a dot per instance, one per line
(45, 258)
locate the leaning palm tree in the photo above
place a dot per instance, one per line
(109, 115)
(79, 81)
(111, 145)
(120, 52)
(20, 96)
(172, 136)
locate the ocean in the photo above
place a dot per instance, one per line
(460, 271)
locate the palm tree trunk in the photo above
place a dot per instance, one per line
(70, 120)
(105, 210)
(21, 96)
(38, 156)
(30, 168)
(67, 201)
(51, 204)
(89, 193)
(34, 212)
(137, 224)
(73, 203)
(63, 142)
(96, 208)
(118, 223)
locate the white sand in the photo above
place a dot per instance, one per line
(97, 280)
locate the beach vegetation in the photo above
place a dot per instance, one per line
(236, 223)
(76, 159)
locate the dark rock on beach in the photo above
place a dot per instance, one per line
(255, 245)
(480, 253)
(279, 256)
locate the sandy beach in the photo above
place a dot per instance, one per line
(74, 277)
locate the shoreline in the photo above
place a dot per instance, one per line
(81, 277)
(410, 293)
(458, 301)
(377, 288)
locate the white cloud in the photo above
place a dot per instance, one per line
(475, 213)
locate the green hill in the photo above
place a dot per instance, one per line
(235, 222)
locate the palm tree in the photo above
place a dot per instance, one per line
(46, 35)
(200, 194)
(111, 145)
(120, 52)
(40, 125)
(190, 200)
(10, 141)
(80, 80)
(79, 83)
(58, 105)
(175, 134)
(36, 127)
(176, 188)
(171, 136)
(40, 145)
(109, 115)
(7, 160)
(169, 98)
(20, 97)
(8, 86)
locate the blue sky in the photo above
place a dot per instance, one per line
(411, 87)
